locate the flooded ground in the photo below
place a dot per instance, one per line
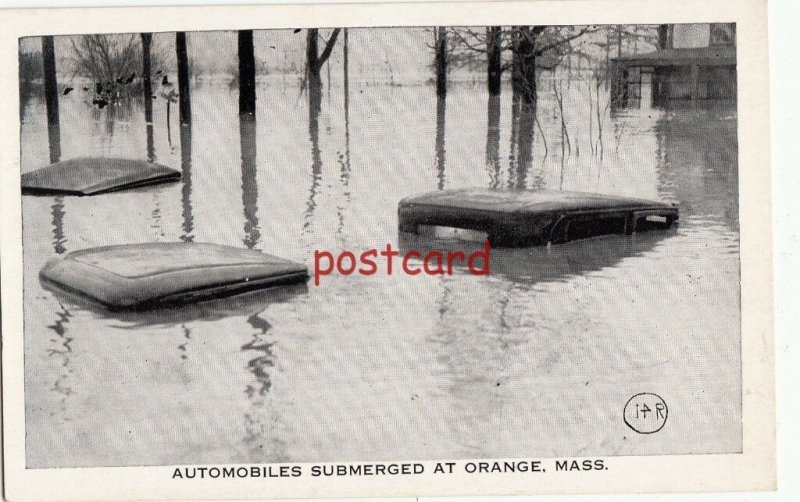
(538, 359)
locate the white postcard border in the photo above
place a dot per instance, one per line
(754, 469)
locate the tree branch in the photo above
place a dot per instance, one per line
(562, 41)
(328, 47)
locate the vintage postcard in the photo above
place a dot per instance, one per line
(386, 250)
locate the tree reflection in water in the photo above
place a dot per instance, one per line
(259, 365)
(259, 423)
(247, 133)
(57, 209)
(440, 148)
(527, 118)
(63, 351)
(151, 148)
(186, 183)
(344, 159)
(316, 161)
(493, 140)
(58, 212)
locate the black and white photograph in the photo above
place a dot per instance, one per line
(364, 245)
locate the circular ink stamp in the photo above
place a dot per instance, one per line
(646, 413)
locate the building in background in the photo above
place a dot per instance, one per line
(695, 63)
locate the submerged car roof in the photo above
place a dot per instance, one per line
(513, 201)
(90, 176)
(136, 276)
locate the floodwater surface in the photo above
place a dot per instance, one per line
(536, 359)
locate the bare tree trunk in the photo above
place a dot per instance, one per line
(346, 98)
(441, 62)
(346, 73)
(247, 74)
(312, 71)
(495, 68)
(147, 84)
(525, 63)
(608, 57)
(50, 81)
(314, 62)
(185, 104)
(51, 97)
(516, 65)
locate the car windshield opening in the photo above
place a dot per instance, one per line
(452, 233)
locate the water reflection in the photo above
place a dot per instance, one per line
(493, 140)
(58, 211)
(156, 224)
(54, 140)
(344, 177)
(539, 264)
(247, 134)
(260, 418)
(63, 351)
(514, 136)
(186, 183)
(265, 359)
(246, 304)
(111, 118)
(525, 128)
(316, 164)
(183, 347)
(697, 164)
(151, 149)
(440, 149)
(345, 162)
(147, 85)
(469, 372)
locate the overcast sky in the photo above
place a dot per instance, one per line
(371, 50)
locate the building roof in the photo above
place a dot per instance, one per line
(708, 56)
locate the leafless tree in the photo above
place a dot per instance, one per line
(532, 48)
(112, 62)
(105, 58)
(314, 62)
